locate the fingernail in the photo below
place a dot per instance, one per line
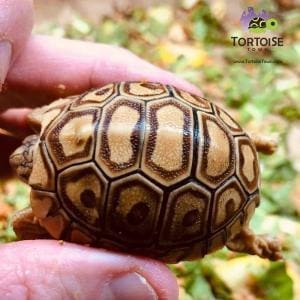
(5, 57)
(129, 287)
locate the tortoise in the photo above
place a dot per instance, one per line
(144, 168)
(259, 25)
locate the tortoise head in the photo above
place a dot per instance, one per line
(22, 158)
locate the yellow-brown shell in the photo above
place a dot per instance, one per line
(145, 168)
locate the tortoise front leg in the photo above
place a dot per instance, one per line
(27, 227)
(262, 245)
(264, 144)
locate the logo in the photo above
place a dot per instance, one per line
(257, 23)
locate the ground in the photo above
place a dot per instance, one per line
(193, 40)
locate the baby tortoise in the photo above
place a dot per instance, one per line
(259, 25)
(143, 168)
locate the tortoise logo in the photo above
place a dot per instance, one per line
(257, 23)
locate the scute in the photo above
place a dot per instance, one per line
(72, 139)
(257, 23)
(96, 97)
(228, 121)
(195, 101)
(247, 168)
(120, 136)
(42, 176)
(250, 207)
(143, 90)
(78, 234)
(216, 241)
(243, 218)
(216, 153)
(133, 208)
(82, 191)
(228, 202)
(168, 146)
(235, 226)
(186, 215)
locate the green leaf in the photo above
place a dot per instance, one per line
(200, 30)
(200, 289)
(212, 73)
(289, 54)
(275, 284)
(112, 32)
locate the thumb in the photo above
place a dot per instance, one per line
(16, 21)
(47, 270)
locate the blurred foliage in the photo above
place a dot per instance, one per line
(193, 40)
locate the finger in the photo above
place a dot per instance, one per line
(8, 145)
(14, 120)
(48, 270)
(50, 67)
(16, 21)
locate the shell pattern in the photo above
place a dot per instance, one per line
(144, 168)
(257, 23)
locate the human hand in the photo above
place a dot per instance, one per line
(36, 70)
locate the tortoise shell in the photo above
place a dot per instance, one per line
(144, 168)
(257, 23)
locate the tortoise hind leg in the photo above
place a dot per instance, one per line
(264, 144)
(262, 245)
(27, 227)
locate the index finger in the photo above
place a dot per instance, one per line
(50, 67)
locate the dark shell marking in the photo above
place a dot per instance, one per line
(257, 23)
(146, 168)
